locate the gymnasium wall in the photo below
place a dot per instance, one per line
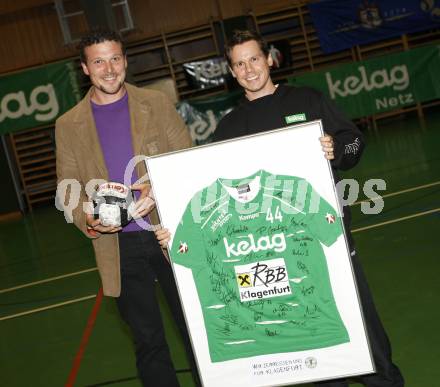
(31, 34)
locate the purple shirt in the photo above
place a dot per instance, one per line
(113, 126)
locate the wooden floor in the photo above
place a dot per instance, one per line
(48, 279)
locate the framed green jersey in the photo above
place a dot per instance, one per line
(261, 274)
(261, 260)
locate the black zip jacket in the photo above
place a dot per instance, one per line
(289, 103)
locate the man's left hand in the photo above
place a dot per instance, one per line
(328, 145)
(145, 204)
(163, 237)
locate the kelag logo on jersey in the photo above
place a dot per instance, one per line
(248, 244)
(264, 279)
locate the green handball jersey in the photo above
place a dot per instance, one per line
(254, 248)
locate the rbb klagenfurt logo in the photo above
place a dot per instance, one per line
(263, 279)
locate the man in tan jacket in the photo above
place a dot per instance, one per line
(96, 139)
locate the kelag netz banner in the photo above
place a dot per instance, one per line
(202, 115)
(37, 96)
(342, 24)
(382, 84)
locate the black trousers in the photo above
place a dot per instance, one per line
(142, 262)
(387, 373)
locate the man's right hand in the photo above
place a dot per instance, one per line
(95, 225)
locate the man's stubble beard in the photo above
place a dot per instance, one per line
(106, 91)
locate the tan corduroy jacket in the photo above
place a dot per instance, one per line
(156, 127)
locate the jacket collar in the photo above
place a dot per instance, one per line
(140, 111)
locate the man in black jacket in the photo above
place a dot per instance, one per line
(268, 106)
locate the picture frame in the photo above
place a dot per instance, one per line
(247, 333)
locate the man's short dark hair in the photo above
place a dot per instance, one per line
(98, 36)
(243, 36)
